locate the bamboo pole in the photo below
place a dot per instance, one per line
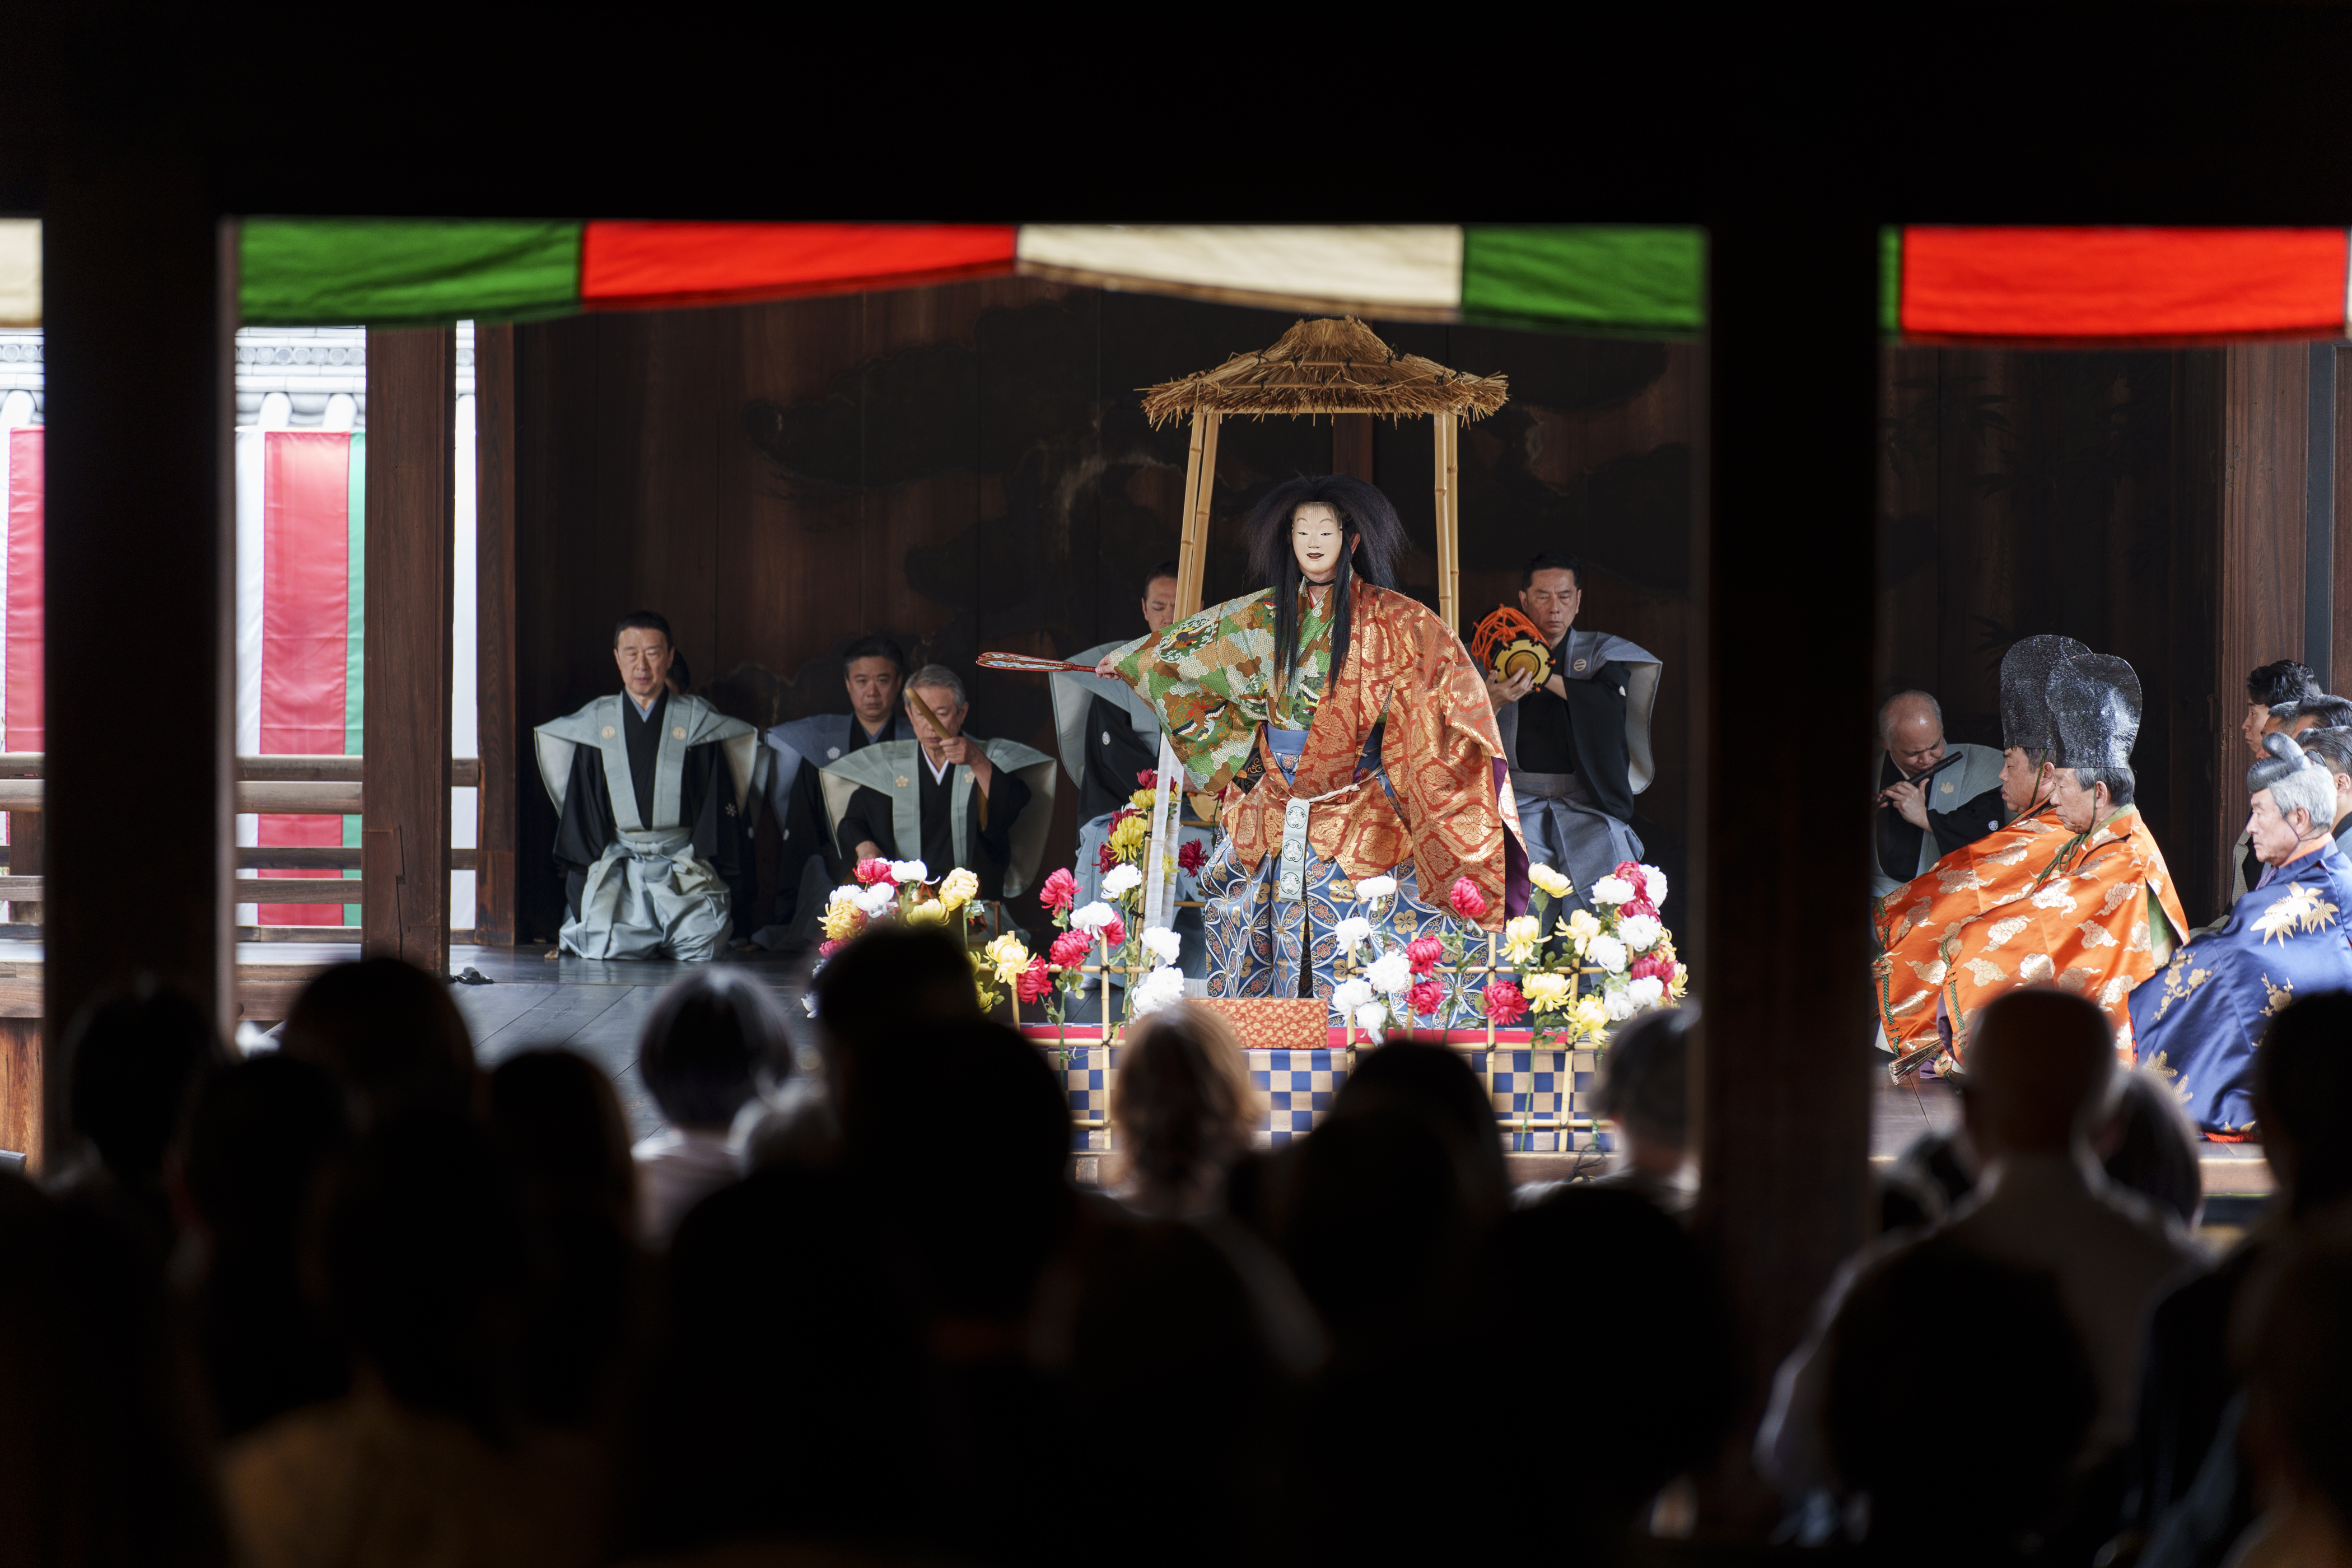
(1200, 488)
(1449, 551)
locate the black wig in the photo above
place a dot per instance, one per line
(1370, 541)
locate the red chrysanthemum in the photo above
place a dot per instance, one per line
(1148, 779)
(1105, 857)
(1424, 954)
(1425, 998)
(1633, 907)
(827, 948)
(1115, 933)
(869, 872)
(1467, 900)
(1193, 856)
(1650, 966)
(1034, 982)
(1631, 871)
(1070, 949)
(1061, 889)
(1505, 1004)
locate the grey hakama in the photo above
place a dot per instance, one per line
(1564, 816)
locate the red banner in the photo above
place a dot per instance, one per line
(305, 628)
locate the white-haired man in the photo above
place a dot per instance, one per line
(2198, 1022)
(947, 797)
(1916, 825)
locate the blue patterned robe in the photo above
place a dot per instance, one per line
(2198, 1020)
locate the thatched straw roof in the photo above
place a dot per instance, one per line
(1330, 365)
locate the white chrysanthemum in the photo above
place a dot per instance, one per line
(1638, 932)
(1611, 890)
(1608, 952)
(1620, 1004)
(877, 900)
(1370, 1016)
(847, 893)
(1353, 933)
(1390, 972)
(1162, 944)
(1121, 881)
(1092, 917)
(1646, 992)
(1161, 988)
(1376, 887)
(1351, 995)
(910, 873)
(1653, 882)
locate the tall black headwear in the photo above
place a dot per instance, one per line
(1371, 540)
(2025, 689)
(2285, 757)
(2095, 710)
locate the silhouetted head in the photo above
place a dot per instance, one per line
(1645, 1078)
(2041, 1063)
(2009, 1392)
(2302, 1100)
(891, 980)
(1375, 1220)
(1184, 1108)
(710, 1043)
(262, 1133)
(2299, 1372)
(1436, 1083)
(424, 1254)
(2148, 1146)
(389, 1033)
(555, 1116)
(137, 1056)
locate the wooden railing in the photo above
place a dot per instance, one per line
(277, 786)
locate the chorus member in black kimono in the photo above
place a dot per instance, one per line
(1577, 745)
(948, 799)
(873, 673)
(650, 788)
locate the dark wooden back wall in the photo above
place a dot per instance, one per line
(967, 468)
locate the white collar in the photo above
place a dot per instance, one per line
(939, 773)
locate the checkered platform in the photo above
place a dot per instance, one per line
(1531, 1088)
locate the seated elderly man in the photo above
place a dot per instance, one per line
(947, 798)
(2198, 1022)
(1916, 824)
(650, 788)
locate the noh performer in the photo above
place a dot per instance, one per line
(1988, 869)
(1353, 745)
(2198, 1023)
(2101, 915)
(650, 788)
(948, 798)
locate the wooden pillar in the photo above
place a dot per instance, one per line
(1782, 906)
(1351, 446)
(494, 666)
(2340, 557)
(139, 285)
(410, 541)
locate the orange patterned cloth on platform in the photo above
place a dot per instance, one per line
(1276, 1023)
(1209, 678)
(1914, 920)
(2102, 919)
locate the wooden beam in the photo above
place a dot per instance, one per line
(411, 537)
(464, 772)
(1200, 490)
(27, 834)
(1351, 446)
(1783, 1096)
(138, 311)
(500, 738)
(2341, 608)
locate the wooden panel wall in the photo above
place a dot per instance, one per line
(968, 467)
(2149, 503)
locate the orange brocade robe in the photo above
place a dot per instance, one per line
(2102, 919)
(1914, 920)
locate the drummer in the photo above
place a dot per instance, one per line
(1574, 711)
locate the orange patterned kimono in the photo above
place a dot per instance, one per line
(2103, 919)
(1914, 922)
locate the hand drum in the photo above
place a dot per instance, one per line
(1507, 644)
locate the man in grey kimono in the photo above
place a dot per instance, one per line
(949, 798)
(1578, 743)
(873, 673)
(1915, 825)
(650, 789)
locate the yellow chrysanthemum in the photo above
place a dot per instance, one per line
(1007, 957)
(932, 913)
(1522, 937)
(1127, 840)
(841, 917)
(1580, 928)
(1550, 881)
(1591, 1015)
(1544, 993)
(959, 888)
(1141, 801)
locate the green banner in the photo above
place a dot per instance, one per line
(387, 272)
(1650, 279)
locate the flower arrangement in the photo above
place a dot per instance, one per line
(1110, 929)
(904, 890)
(1623, 952)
